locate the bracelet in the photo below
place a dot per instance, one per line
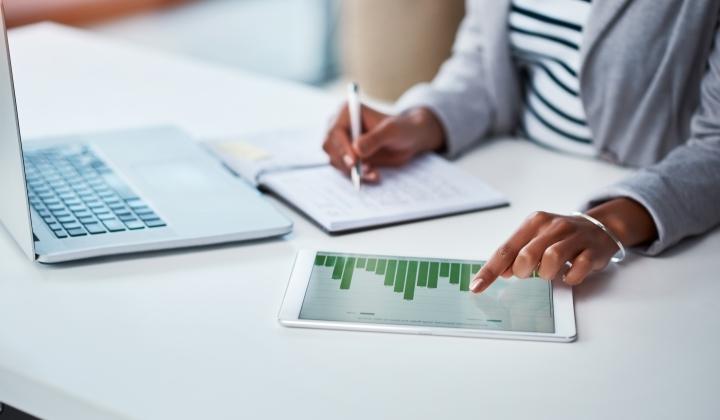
(620, 255)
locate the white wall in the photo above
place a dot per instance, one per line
(291, 39)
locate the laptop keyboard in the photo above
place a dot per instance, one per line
(77, 194)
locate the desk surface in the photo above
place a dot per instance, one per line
(193, 334)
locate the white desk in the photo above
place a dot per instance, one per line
(193, 334)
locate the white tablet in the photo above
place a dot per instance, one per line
(418, 295)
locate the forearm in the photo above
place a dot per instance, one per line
(681, 193)
(433, 136)
(20, 12)
(627, 219)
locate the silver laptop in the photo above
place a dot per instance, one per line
(122, 192)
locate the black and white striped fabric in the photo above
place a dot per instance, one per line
(545, 38)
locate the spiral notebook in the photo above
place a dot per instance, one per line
(292, 166)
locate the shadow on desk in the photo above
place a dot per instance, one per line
(599, 283)
(688, 245)
(210, 253)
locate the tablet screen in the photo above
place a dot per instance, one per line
(422, 292)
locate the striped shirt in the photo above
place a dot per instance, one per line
(545, 39)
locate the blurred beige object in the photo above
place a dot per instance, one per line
(76, 12)
(389, 45)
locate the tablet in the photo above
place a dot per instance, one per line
(419, 295)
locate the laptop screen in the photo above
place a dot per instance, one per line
(14, 206)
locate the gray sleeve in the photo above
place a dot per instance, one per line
(682, 192)
(458, 95)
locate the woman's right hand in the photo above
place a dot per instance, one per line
(386, 140)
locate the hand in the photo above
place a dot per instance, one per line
(545, 242)
(386, 140)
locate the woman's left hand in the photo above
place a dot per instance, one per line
(546, 242)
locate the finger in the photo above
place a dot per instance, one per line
(370, 117)
(549, 233)
(372, 177)
(370, 174)
(339, 147)
(539, 220)
(340, 124)
(507, 273)
(373, 140)
(502, 259)
(339, 165)
(582, 266)
(385, 157)
(336, 158)
(529, 257)
(557, 255)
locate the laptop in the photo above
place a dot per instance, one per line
(102, 194)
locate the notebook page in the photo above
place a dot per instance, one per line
(252, 155)
(427, 187)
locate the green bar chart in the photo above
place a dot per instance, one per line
(339, 267)
(402, 275)
(433, 275)
(427, 292)
(329, 261)
(423, 274)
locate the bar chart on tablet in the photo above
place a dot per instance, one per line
(422, 291)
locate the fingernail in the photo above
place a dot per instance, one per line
(371, 176)
(349, 161)
(476, 283)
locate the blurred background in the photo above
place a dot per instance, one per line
(386, 45)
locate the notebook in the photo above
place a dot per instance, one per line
(292, 166)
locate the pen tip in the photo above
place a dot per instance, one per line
(355, 177)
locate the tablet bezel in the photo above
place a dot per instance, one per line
(289, 315)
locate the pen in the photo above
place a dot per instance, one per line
(355, 129)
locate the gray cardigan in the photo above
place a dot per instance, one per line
(650, 85)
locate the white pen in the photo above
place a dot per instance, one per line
(354, 108)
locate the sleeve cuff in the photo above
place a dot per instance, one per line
(460, 134)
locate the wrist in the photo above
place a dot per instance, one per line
(627, 219)
(432, 131)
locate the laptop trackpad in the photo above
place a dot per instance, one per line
(177, 177)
